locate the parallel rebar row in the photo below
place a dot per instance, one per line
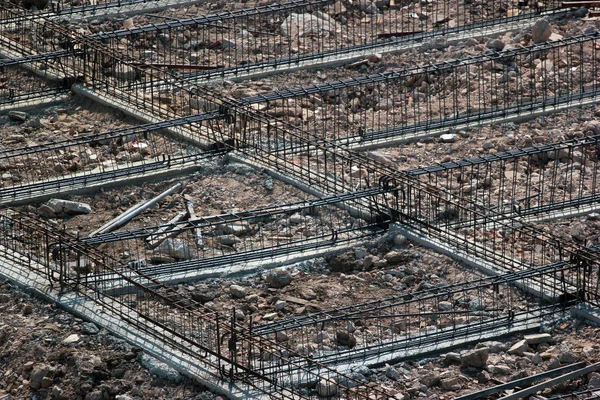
(535, 259)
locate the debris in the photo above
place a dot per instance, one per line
(60, 208)
(134, 211)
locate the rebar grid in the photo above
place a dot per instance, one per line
(231, 239)
(241, 41)
(64, 165)
(68, 7)
(383, 308)
(431, 98)
(325, 165)
(546, 179)
(204, 336)
(17, 85)
(330, 168)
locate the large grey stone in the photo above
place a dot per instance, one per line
(594, 381)
(538, 338)
(38, 373)
(175, 249)
(495, 44)
(279, 279)
(237, 228)
(300, 25)
(391, 373)
(159, 368)
(61, 208)
(237, 291)
(19, 116)
(519, 348)
(327, 388)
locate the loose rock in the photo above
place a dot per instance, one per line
(60, 208)
(19, 116)
(279, 279)
(238, 292)
(475, 358)
(326, 388)
(391, 373)
(345, 339)
(519, 348)
(541, 31)
(37, 375)
(538, 338)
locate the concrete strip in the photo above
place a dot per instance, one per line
(17, 272)
(389, 352)
(416, 350)
(588, 312)
(335, 60)
(34, 104)
(118, 287)
(62, 187)
(571, 212)
(413, 137)
(178, 132)
(306, 188)
(7, 47)
(148, 6)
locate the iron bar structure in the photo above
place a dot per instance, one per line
(559, 273)
(545, 179)
(99, 160)
(229, 241)
(18, 86)
(281, 35)
(381, 109)
(196, 333)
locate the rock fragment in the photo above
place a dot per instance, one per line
(237, 291)
(475, 358)
(541, 31)
(327, 388)
(279, 279)
(57, 208)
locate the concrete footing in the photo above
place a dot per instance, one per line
(13, 267)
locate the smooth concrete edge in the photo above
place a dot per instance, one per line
(10, 54)
(148, 177)
(445, 346)
(34, 283)
(134, 9)
(409, 138)
(345, 58)
(354, 211)
(572, 212)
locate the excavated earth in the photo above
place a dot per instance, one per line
(46, 353)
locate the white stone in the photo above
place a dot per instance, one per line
(327, 388)
(448, 138)
(74, 338)
(237, 291)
